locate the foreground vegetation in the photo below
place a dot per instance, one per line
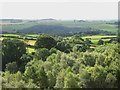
(60, 54)
(60, 62)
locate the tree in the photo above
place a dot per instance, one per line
(76, 40)
(12, 50)
(51, 79)
(93, 77)
(16, 80)
(25, 58)
(63, 46)
(88, 41)
(79, 47)
(35, 71)
(60, 79)
(11, 67)
(100, 42)
(110, 80)
(89, 59)
(45, 41)
(53, 50)
(69, 79)
(42, 54)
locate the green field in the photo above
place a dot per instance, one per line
(10, 34)
(30, 50)
(32, 35)
(95, 25)
(96, 38)
(30, 42)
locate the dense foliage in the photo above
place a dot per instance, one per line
(12, 50)
(70, 63)
(45, 41)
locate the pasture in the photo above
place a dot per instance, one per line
(94, 25)
(96, 38)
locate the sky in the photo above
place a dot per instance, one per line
(60, 10)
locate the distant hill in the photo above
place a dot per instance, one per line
(52, 29)
(11, 20)
(48, 19)
(53, 26)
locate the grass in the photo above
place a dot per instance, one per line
(96, 41)
(32, 35)
(94, 38)
(11, 34)
(30, 42)
(16, 27)
(99, 25)
(97, 37)
(30, 50)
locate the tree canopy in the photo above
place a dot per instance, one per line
(45, 41)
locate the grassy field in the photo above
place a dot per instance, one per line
(12, 27)
(97, 25)
(11, 34)
(32, 35)
(92, 24)
(30, 42)
(96, 41)
(96, 38)
(30, 50)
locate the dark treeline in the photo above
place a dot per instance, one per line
(11, 20)
(63, 33)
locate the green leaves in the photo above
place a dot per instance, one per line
(11, 67)
(35, 71)
(50, 68)
(42, 54)
(12, 50)
(45, 41)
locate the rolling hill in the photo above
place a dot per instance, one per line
(53, 26)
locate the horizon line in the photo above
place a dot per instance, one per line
(54, 19)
